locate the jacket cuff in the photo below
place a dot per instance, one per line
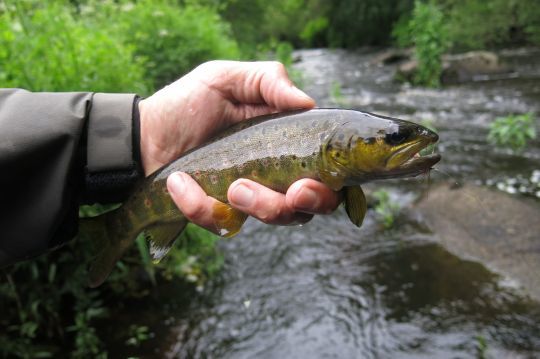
(112, 156)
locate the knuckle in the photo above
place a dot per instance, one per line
(270, 215)
(277, 66)
(208, 64)
(194, 212)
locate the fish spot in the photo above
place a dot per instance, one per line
(304, 164)
(254, 174)
(147, 202)
(214, 179)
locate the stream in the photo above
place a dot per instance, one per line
(329, 290)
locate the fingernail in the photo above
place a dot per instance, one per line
(306, 199)
(242, 196)
(177, 183)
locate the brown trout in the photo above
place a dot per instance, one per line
(341, 148)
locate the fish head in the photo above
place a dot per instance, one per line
(376, 147)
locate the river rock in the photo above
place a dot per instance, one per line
(457, 68)
(470, 66)
(499, 230)
(392, 56)
(405, 72)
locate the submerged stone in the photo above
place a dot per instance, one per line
(499, 230)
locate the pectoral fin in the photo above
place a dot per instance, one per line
(355, 204)
(228, 220)
(161, 237)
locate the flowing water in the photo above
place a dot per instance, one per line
(330, 290)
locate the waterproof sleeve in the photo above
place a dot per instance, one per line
(56, 150)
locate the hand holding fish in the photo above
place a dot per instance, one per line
(200, 105)
(209, 99)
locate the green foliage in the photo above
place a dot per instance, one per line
(174, 39)
(402, 31)
(284, 52)
(355, 23)
(312, 34)
(256, 24)
(138, 334)
(502, 22)
(195, 257)
(529, 19)
(429, 36)
(45, 47)
(386, 209)
(41, 324)
(481, 347)
(53, 313)
(513, 131)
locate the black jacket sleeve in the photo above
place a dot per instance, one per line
(56, 151)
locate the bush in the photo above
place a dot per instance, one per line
(502, 23)
(429, 36)
(512, 131)
(386, 209)
(354, 23)
(44, 47)
(53, 313)
(174, 39)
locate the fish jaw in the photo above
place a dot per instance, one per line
(413, 167)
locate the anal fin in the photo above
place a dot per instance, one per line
(228, 220)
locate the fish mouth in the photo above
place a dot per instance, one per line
(418, 161)
(413, 166)
(407, 161)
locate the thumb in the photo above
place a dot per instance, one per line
(279, 92)
(290, 97)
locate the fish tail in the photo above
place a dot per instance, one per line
(108, 244)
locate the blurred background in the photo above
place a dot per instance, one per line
(445, 265)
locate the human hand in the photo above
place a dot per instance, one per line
(198, 106)
(212, 97)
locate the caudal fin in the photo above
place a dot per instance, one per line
(108, 247)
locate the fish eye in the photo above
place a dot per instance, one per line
(395, 138)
